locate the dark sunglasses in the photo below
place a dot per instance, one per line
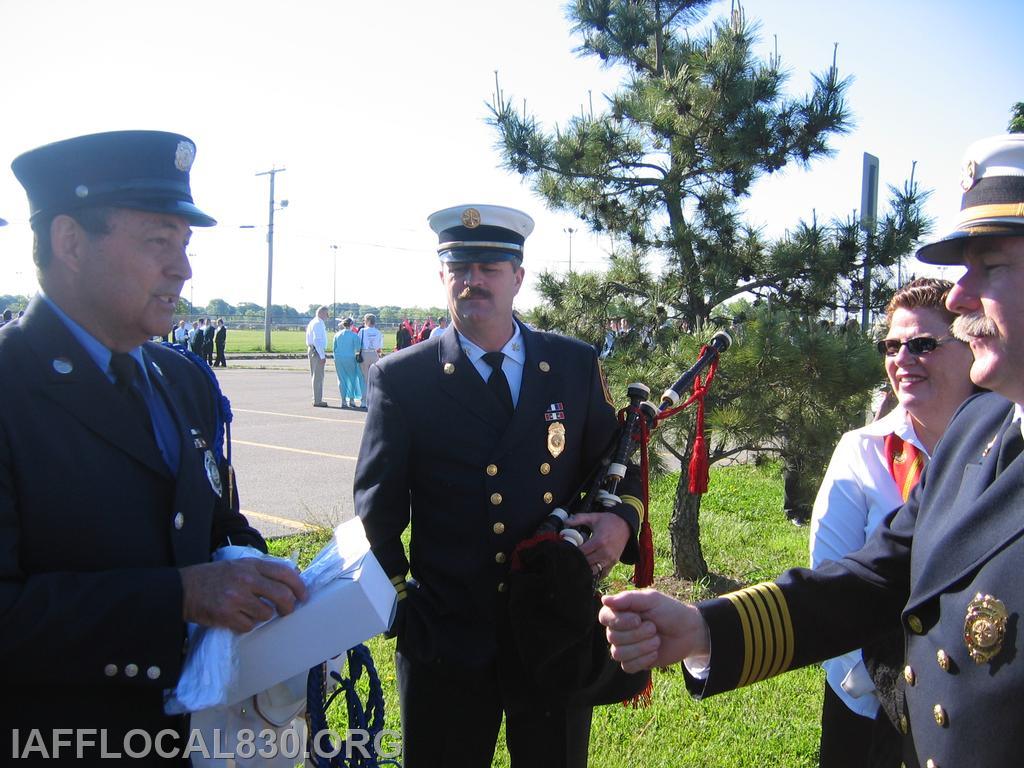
(919, 345)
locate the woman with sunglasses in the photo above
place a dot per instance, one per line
(871, 473)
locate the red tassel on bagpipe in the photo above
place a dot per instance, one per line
(699, 457)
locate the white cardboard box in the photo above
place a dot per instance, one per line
(344, 613)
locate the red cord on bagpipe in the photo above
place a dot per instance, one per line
(554, 595)
(643, 572)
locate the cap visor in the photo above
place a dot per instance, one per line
(477, 256)
(187, 211)
(950, 249)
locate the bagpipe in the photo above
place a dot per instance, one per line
(554, 596)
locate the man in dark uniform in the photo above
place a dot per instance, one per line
(111, 497)
(947, 567)
(474, 437)
(220, 338)
(208, 342)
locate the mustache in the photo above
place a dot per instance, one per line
(474, 293)
(975, 325)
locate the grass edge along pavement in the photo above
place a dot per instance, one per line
(774, 724)
(245, 341)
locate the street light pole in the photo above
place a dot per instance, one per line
(571, 232)
(270, 254)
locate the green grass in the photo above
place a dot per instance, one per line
(774, 724)
(242, 340)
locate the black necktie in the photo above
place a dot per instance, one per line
(498, 383)
(126, 371)
(1010, 448)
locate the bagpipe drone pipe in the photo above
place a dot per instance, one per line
(554, 596)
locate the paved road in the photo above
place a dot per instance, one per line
(294, 463)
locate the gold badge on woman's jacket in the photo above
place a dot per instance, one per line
(985, 628)
(556, 439)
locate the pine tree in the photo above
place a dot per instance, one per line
(662, 170)
(1016, 118)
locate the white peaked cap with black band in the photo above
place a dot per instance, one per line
(480, 233)
(992, 178)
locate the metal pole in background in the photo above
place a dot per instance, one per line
(571, 231)
(868, 215)
(270, 255)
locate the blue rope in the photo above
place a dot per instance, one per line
(324, 752)
(223, 405)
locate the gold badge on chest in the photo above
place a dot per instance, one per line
(985, 628)
(556, 439)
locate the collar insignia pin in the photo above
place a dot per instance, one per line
(212, 473)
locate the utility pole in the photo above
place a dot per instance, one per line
(270, 252)
(334, 285)
(571, 231)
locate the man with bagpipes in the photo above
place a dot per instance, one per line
(473, 438)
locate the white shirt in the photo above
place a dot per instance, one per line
(316, 336)
(372, 338)
(437, 330)
(512, 365)
(856, 493)
(181, 334)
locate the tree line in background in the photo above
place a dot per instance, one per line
(281, 314)
(284, 314)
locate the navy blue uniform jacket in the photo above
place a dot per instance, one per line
(93, 529)
(958, 536)
(436, 453)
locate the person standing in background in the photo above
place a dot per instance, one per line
(350, 378)
(316, 350)
(442, 324)
(371, 346)
(220, 339)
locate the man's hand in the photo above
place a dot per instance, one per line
(232, 593)
(604, 548)
(648, 629)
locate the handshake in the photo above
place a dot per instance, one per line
(646, 629)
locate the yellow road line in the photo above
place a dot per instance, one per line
(236, 441)
(279, 520)
(298, 416)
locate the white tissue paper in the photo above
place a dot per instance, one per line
(350, 600)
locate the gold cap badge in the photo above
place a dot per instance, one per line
(984, 628)
(471, 218)
(556, 439)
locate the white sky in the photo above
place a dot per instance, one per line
(378, 110)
